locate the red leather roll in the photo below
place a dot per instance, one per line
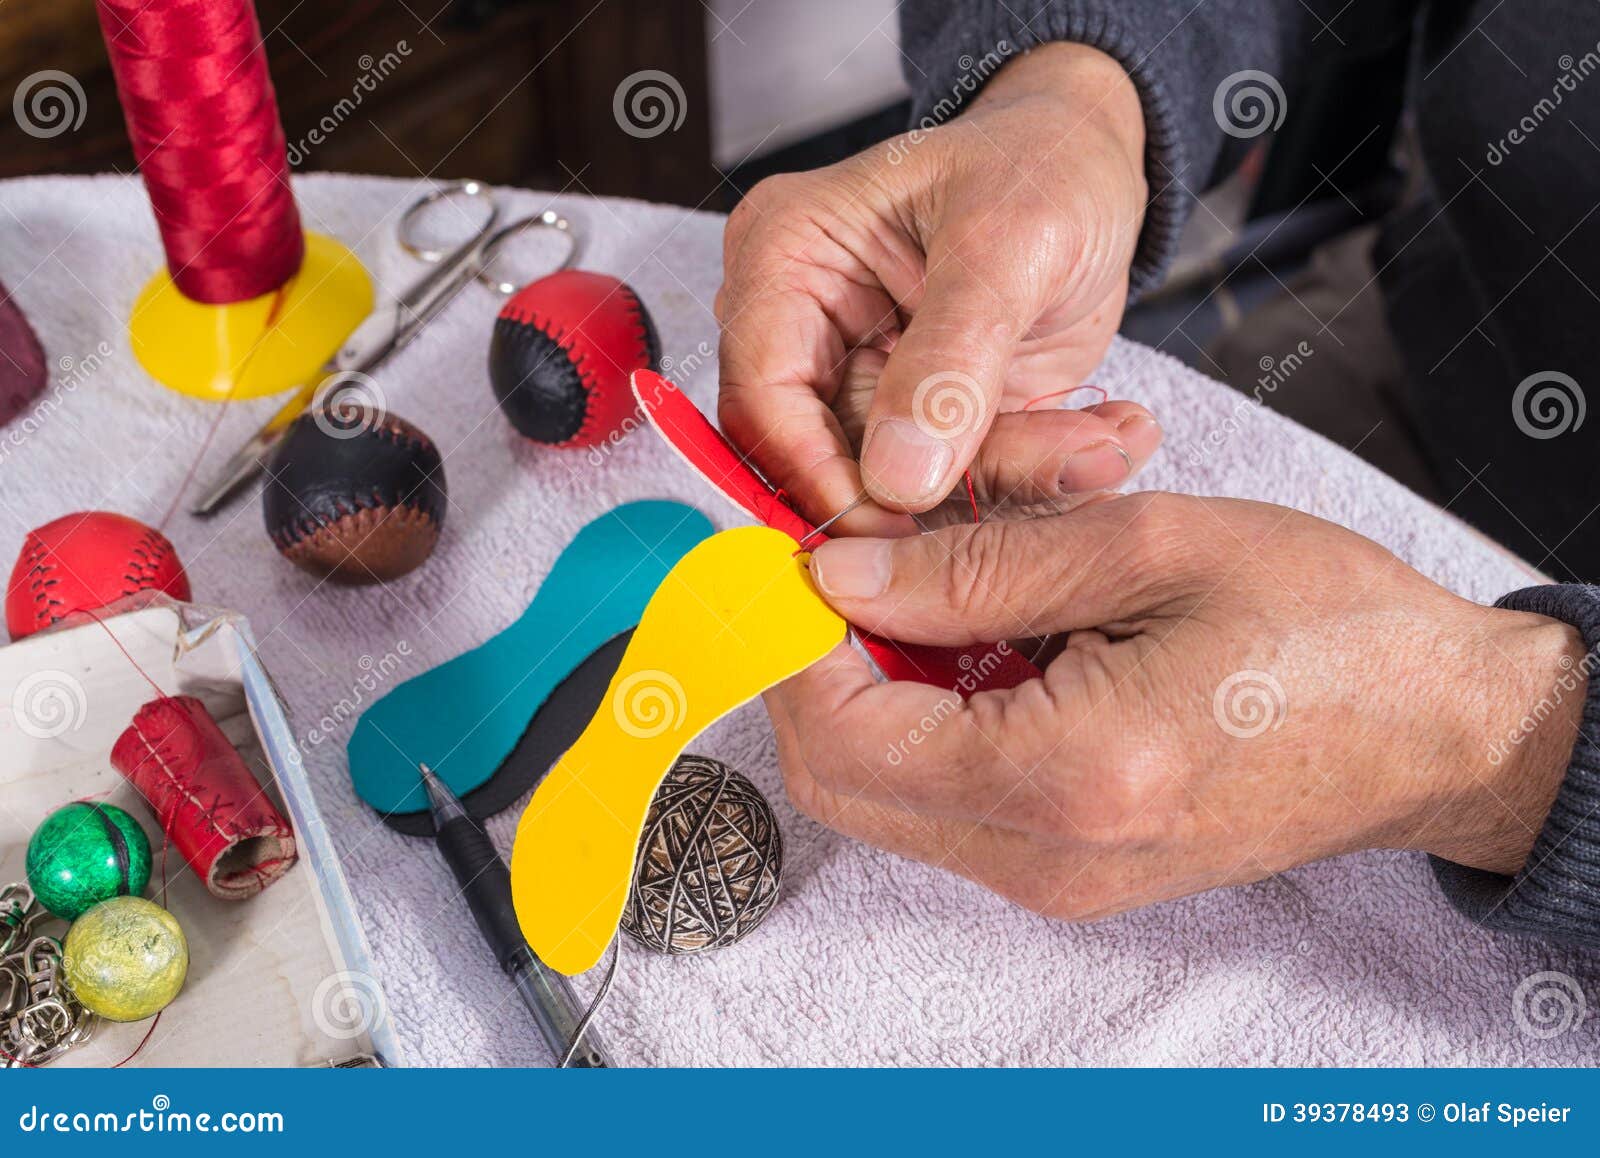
(208, 803)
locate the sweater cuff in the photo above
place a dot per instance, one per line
(986, 36)
(1556, 896)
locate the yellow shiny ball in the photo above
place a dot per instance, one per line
(126, 959)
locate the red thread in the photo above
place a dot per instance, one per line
(972, 496)
(203, 120)
(1032, 402)
(222, 411)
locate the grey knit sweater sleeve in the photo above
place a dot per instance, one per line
(1183, 56)
(1557, 893)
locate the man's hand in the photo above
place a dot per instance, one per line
(910, 301)
(1239, 689)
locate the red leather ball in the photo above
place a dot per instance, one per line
(561, 354)
(86, 561)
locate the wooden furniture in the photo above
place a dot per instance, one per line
(511, 91)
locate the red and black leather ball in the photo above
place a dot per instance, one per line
(561, 354)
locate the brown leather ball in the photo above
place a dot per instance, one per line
(355, 495)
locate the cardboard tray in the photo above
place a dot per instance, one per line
(282, 979)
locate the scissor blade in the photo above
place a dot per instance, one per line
(251, 458)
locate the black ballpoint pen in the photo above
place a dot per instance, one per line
(486, 883)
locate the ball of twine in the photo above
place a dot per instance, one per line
(709, 861)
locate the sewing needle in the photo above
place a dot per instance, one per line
(825, 524)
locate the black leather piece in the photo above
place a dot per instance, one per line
(555, 727)
(536, 384)
(317, 478)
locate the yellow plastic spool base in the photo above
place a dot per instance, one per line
(252, 348)
(737, 615)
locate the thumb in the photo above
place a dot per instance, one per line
(1106, 563)
(940, 389)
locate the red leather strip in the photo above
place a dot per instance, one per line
(965, 670)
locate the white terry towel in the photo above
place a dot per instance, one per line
(867, 958)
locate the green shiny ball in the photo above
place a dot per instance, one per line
(87, 853)
(125, 959)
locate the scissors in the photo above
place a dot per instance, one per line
(386, 331)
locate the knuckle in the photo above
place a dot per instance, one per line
(771, 197)
(1112, 807)
(979, 566)
(1165, 538)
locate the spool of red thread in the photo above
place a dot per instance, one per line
(203, 119)
(249, 304)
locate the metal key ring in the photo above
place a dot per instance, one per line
(471, 190)
(549, 219)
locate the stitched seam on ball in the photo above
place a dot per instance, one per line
(392, 430)
(579, 360)
(306, 527)
(152, 548)
(413, 439)
(591, 420)
(641, 336)
(39, 581)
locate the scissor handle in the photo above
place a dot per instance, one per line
(469, 189)
(549, 219)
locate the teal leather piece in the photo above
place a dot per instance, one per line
(466, 715)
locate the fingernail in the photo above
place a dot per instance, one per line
(852, 568)
(904, 462)
(1135, 422)
(1100, 465)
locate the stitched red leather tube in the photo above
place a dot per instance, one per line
(195, 92)
(207, 801)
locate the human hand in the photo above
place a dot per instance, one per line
(916, 297)
(1240, 689)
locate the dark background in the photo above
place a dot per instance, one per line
(514, 92)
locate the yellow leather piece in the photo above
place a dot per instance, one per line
(737, 615)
